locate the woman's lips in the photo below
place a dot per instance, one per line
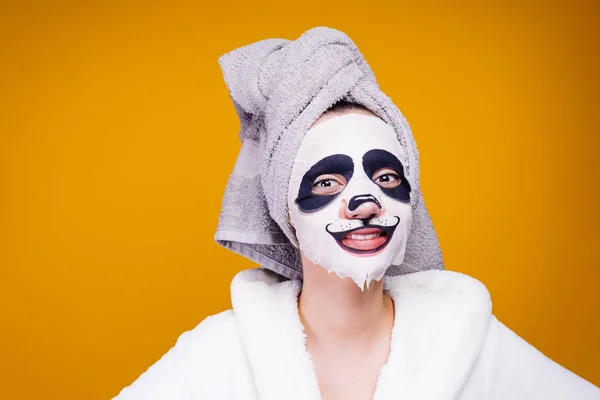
(365, 239)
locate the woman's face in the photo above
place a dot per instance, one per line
(348, 198)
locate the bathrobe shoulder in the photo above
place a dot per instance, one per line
(206, 362)
(446, 344)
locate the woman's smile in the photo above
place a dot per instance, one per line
(365, 239)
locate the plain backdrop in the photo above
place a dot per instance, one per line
(117, 136)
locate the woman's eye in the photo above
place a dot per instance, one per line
(328, 184)
(387, 178)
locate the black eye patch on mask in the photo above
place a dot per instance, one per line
(376, 159)
(335, 164)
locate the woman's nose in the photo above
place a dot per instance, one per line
(362, 207)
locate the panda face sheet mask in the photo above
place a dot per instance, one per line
(348, 198)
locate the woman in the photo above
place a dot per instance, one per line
(352, 301)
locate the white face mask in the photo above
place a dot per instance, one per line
(348, 198)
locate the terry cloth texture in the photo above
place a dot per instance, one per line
(279, 88)
(445, 345)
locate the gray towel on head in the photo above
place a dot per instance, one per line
(279, 89)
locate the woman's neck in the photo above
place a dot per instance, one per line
(335, 310)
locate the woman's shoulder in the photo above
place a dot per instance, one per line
(512, 361)
(201, 362)
(223, 321)
(215, 338)
(444, 285)
(438, 278)
(213, 333)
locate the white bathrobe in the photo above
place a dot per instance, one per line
(446, 344)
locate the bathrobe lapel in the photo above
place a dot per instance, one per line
(440, 323)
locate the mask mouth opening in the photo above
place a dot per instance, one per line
(365, 240)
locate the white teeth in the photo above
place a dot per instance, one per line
(365, 237)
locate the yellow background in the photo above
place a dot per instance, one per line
(118, 136)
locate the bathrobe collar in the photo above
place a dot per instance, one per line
(441, 318)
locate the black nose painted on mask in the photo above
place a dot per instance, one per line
(360, 199)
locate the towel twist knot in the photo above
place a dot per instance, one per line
(274, 79)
